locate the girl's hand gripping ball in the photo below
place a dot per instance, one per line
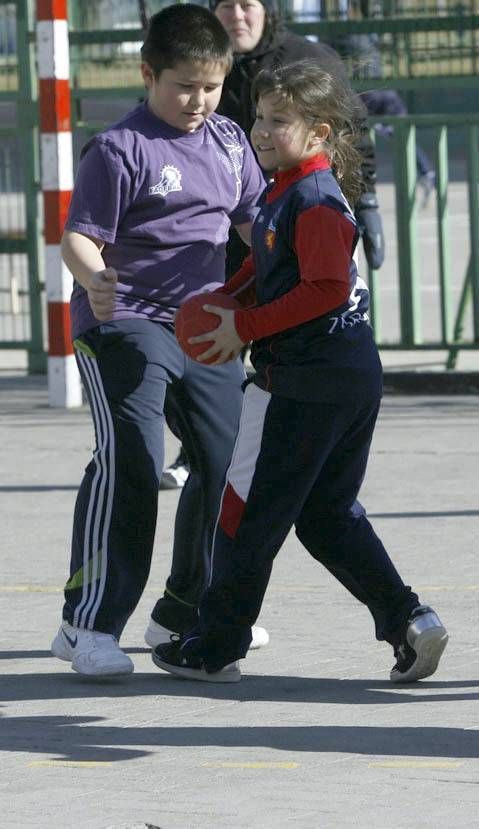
(192, 321)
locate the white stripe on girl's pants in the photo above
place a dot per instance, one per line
(101, 499)
(246, 449)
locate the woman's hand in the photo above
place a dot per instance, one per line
(225, 342)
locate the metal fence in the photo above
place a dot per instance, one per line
(104, 40)
(21, 287)
(404, 45)
(434, 274)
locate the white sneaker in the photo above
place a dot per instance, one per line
(156, 634)
(91, 653)
(260, 638)
(175, 476)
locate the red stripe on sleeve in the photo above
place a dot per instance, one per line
(303, 303)
(323, 241)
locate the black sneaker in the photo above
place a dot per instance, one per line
(421, 648)
(178, 657)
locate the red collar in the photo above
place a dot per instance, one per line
(284, 178)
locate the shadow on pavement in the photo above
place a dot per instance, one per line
(88, 739)
(462, 513)
(253, 687)
(48, 654)
(39, 488)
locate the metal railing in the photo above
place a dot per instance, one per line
(442, 315)
(21, 286)
(451, 297)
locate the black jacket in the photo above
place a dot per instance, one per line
(279, 47)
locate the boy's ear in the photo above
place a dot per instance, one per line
(147, 74)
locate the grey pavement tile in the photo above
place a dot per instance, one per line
(314, 735)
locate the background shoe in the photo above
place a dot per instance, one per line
(419, 652)
(175, 475)
(156, 634)
(426, 184)
(260, 638)
(174, 659)
(91, 653)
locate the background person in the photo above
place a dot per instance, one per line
(261, 40)
(363, 53)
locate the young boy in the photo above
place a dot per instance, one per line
(148, 223)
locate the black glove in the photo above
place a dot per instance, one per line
(370, 227)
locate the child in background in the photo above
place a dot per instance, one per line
(310, 410)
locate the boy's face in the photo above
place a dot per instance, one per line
(185, 96)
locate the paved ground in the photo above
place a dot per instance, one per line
(314, 735)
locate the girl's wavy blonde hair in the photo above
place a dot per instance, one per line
(321, 98)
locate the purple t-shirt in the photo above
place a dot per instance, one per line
(162, 201)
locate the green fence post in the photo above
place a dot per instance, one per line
(373, 286)
(27, 120)
(442, 181)
(473, 179)
(405, 177)
(464, 301)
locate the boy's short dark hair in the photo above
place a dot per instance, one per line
(182, 33)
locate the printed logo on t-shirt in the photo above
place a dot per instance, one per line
(169, 182)
(234, 161)
(270, 236)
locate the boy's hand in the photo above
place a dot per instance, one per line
(101, 293)
(226, 345)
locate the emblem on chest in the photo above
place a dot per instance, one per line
(170, 182)
(270, 236)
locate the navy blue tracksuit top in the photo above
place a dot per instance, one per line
(305, 306)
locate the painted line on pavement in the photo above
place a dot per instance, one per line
(251, 765)
(416, 764)
(85, 764)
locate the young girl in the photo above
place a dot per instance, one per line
(310, 409)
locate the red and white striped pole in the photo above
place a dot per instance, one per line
(64, 386)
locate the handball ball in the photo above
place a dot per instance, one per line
(191, 321)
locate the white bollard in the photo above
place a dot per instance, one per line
(64, 384)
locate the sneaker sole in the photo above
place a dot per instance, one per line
(106, 674)
(429, 647)
(230, 675)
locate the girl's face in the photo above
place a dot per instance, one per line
(281, 137)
